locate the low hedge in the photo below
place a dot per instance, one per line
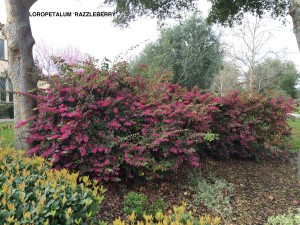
(6, 110)
(33, 193)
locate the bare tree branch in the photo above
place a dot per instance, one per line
(249, 49)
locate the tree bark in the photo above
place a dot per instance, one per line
(295, 14)
(21, 65)
(298, 166)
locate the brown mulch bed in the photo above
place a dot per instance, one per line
(262, 189)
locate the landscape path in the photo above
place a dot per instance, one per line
(6, 120)
(297, 116)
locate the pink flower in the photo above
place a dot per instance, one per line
(85, 138)
(82, 150)
(71, 114)
(114, 125)
(71, 99)
(119, 98)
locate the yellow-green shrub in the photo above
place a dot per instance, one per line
(179, 215)
(33, 193)
(285, 219)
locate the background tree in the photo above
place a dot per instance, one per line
(227, 12)
(44, 53)
(248, 49)
(128, 11)
(191, 50)
(278, 75)
(227, 79)
(298, 92)
(20, 41)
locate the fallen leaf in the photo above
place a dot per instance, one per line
(295, 202)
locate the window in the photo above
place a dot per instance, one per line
(2, 55)
(2, 90)
(10, 89)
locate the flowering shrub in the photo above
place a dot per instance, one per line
(250, 126)
(108, 124)
(32, 193)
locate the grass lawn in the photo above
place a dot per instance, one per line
(6, 134)
(295, 134)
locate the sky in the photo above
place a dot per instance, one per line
(98, 36)
(95, 36)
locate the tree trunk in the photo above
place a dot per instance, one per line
(298, 166)
(21, 65)
(295, 14)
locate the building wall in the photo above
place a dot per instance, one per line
(3, 65)
(3, 68)
(3, 62)
(7, 96)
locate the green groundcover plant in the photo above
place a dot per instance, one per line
(138, 204)
(285, 219)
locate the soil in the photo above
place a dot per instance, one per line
(262, 189)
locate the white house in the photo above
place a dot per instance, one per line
(6, 88)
